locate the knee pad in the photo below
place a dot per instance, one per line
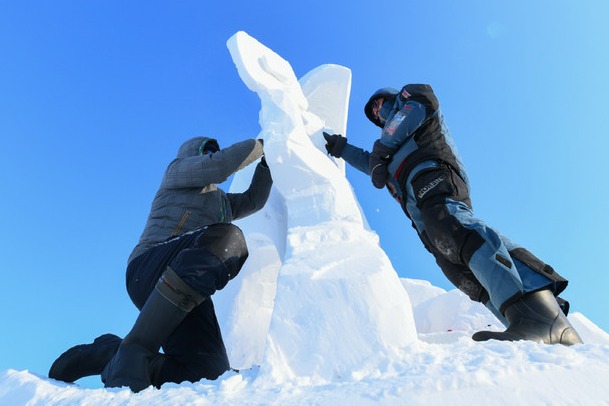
(460, 276)
(227, 243)
(448, 236)
(201, 270)
(214, 257)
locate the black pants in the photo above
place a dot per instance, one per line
(195, 350)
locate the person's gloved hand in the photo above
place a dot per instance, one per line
(379, 159)
(263, 162)
(335, 144)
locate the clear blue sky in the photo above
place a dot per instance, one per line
(96, 96)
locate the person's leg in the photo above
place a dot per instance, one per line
(193, 274)
(437, 201)
(137, 358)
(144, 271)
(195, 350)
(524, 296)
(440, 199)
(465, 239)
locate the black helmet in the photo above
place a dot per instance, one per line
(389, 93)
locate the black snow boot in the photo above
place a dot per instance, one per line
(85, 359)
(537, 317)
(138, 360)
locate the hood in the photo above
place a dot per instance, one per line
(194, 146)
(389, 93)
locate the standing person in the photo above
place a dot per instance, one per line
(188, 250)
(416, 159)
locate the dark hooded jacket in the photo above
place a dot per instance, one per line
(188, 197)
(413, 133)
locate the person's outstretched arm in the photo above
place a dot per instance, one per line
(202, 170)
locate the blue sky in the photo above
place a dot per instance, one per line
(96, 97)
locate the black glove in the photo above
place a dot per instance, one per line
(379, 159)
(335, 144)
(263, 162)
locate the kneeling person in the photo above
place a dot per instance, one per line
(188, 250)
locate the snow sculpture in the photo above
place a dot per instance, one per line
(339, 308)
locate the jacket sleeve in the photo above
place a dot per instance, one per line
(356, 157)
(403, 124)
(202, 170)
(255, 197)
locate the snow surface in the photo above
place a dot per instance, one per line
(318, 315)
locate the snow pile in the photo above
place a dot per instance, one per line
(319, 316)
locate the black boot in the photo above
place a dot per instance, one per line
(85, 359)
(536, 317)
(137, 359)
